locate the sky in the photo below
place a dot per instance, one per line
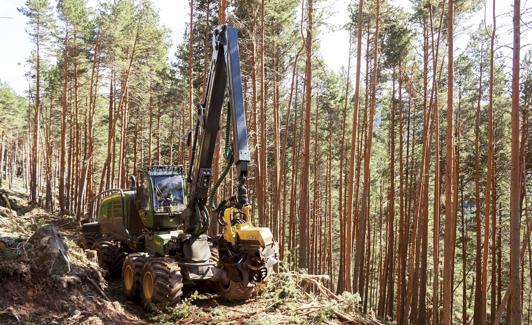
(334, 42)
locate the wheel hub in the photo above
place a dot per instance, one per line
(129, 277)
(147, 286)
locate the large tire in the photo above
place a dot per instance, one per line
(236, 291)
(131, 272)
(162, 282)
(110, 257)
(88, 239)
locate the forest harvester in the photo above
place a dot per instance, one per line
(155, 233)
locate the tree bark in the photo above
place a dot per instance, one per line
(450, 225)
(515, 188)
(361, 231)
(350, 178)
(480, 296)
(304, 211)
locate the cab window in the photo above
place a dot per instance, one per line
(168, 193)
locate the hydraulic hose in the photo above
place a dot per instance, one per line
(228, 156)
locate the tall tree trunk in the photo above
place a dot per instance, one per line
(359, 282)
(350, 179)
(450, 225)
(221, 12)
(36, 124)
(465, 320)
(315, 198)
(304, 212)
(190, 68)
(62, 158)
(283, 154)
(93, 94)
(294, 173)
(263, 206)
(437, 168)
(387, 303)
(276, 154)
(257, 157)
(515, 188)
(480, 312)
(341, 208)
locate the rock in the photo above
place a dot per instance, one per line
(7, 242)
(67, 281)
(49, 253)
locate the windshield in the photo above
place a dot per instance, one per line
(168, 193)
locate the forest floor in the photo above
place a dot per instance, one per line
(84, 296)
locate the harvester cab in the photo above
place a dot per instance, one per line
(161, 196)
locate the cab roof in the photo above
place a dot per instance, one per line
(164, 170)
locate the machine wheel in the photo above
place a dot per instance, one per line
(110, 256)
(161, 281)
(88, 239)
(131, 271)
(236, 291)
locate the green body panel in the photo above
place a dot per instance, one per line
(114, 214)
(115, 206)
(156, 242)
(168, 221)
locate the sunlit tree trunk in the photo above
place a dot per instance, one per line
(450, 225)
(304, 211)
(350, 179)
(479, 315)
(284, 155)
(514, 315)
(341, 208)
(361, 231)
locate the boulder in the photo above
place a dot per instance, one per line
(48, 252)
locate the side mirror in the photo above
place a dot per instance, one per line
(132, 182)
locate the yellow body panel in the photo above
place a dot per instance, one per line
(245, 231)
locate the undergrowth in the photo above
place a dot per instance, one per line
(172, 314)
(281, 286)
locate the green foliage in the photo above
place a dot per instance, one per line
(281, 286)
(350, 301)
(13, 111)
(40, 19)
(172, 314)
(325, 312)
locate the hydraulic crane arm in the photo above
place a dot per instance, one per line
(224, 73)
